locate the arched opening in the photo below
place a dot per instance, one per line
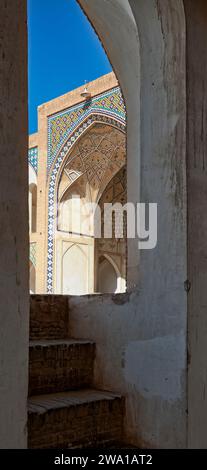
(108, 277)
(79, 147)
(155, 167)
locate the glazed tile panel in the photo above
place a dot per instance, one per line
(33, 158)
(62, 124)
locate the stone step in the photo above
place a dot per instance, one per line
(59, 365)
(78, 419)
(49, 317)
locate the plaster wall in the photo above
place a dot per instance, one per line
(141, 336)
(14, 245)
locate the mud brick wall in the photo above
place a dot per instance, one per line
(49, 317)
(60, 366)
(87, 425)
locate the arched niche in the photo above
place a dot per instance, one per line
(71, 210)
(107, 277)
(75, 281)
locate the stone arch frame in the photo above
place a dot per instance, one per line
(54, 177)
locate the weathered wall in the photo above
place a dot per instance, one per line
(14, 289)
(196, 18)
(142, 338)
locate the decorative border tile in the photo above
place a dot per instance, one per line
(33, 158)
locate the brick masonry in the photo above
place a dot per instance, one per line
(87, 419)
(49, 317)
(63, 412)
(56, 366)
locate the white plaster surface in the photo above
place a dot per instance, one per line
(144, 372)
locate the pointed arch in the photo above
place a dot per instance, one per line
(74, 282)
(54, 176)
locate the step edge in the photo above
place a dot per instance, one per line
(102, 395)
(65, 342)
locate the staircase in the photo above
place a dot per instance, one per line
(64, 408)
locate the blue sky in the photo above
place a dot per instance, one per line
(63, 52)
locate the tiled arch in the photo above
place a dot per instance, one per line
(62, 124)
(119, 123)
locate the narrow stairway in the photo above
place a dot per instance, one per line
(64, 408)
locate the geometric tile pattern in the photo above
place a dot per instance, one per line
(62, 124)
(95, 159)
(115, 118)
(33, 158)
(32, 254)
